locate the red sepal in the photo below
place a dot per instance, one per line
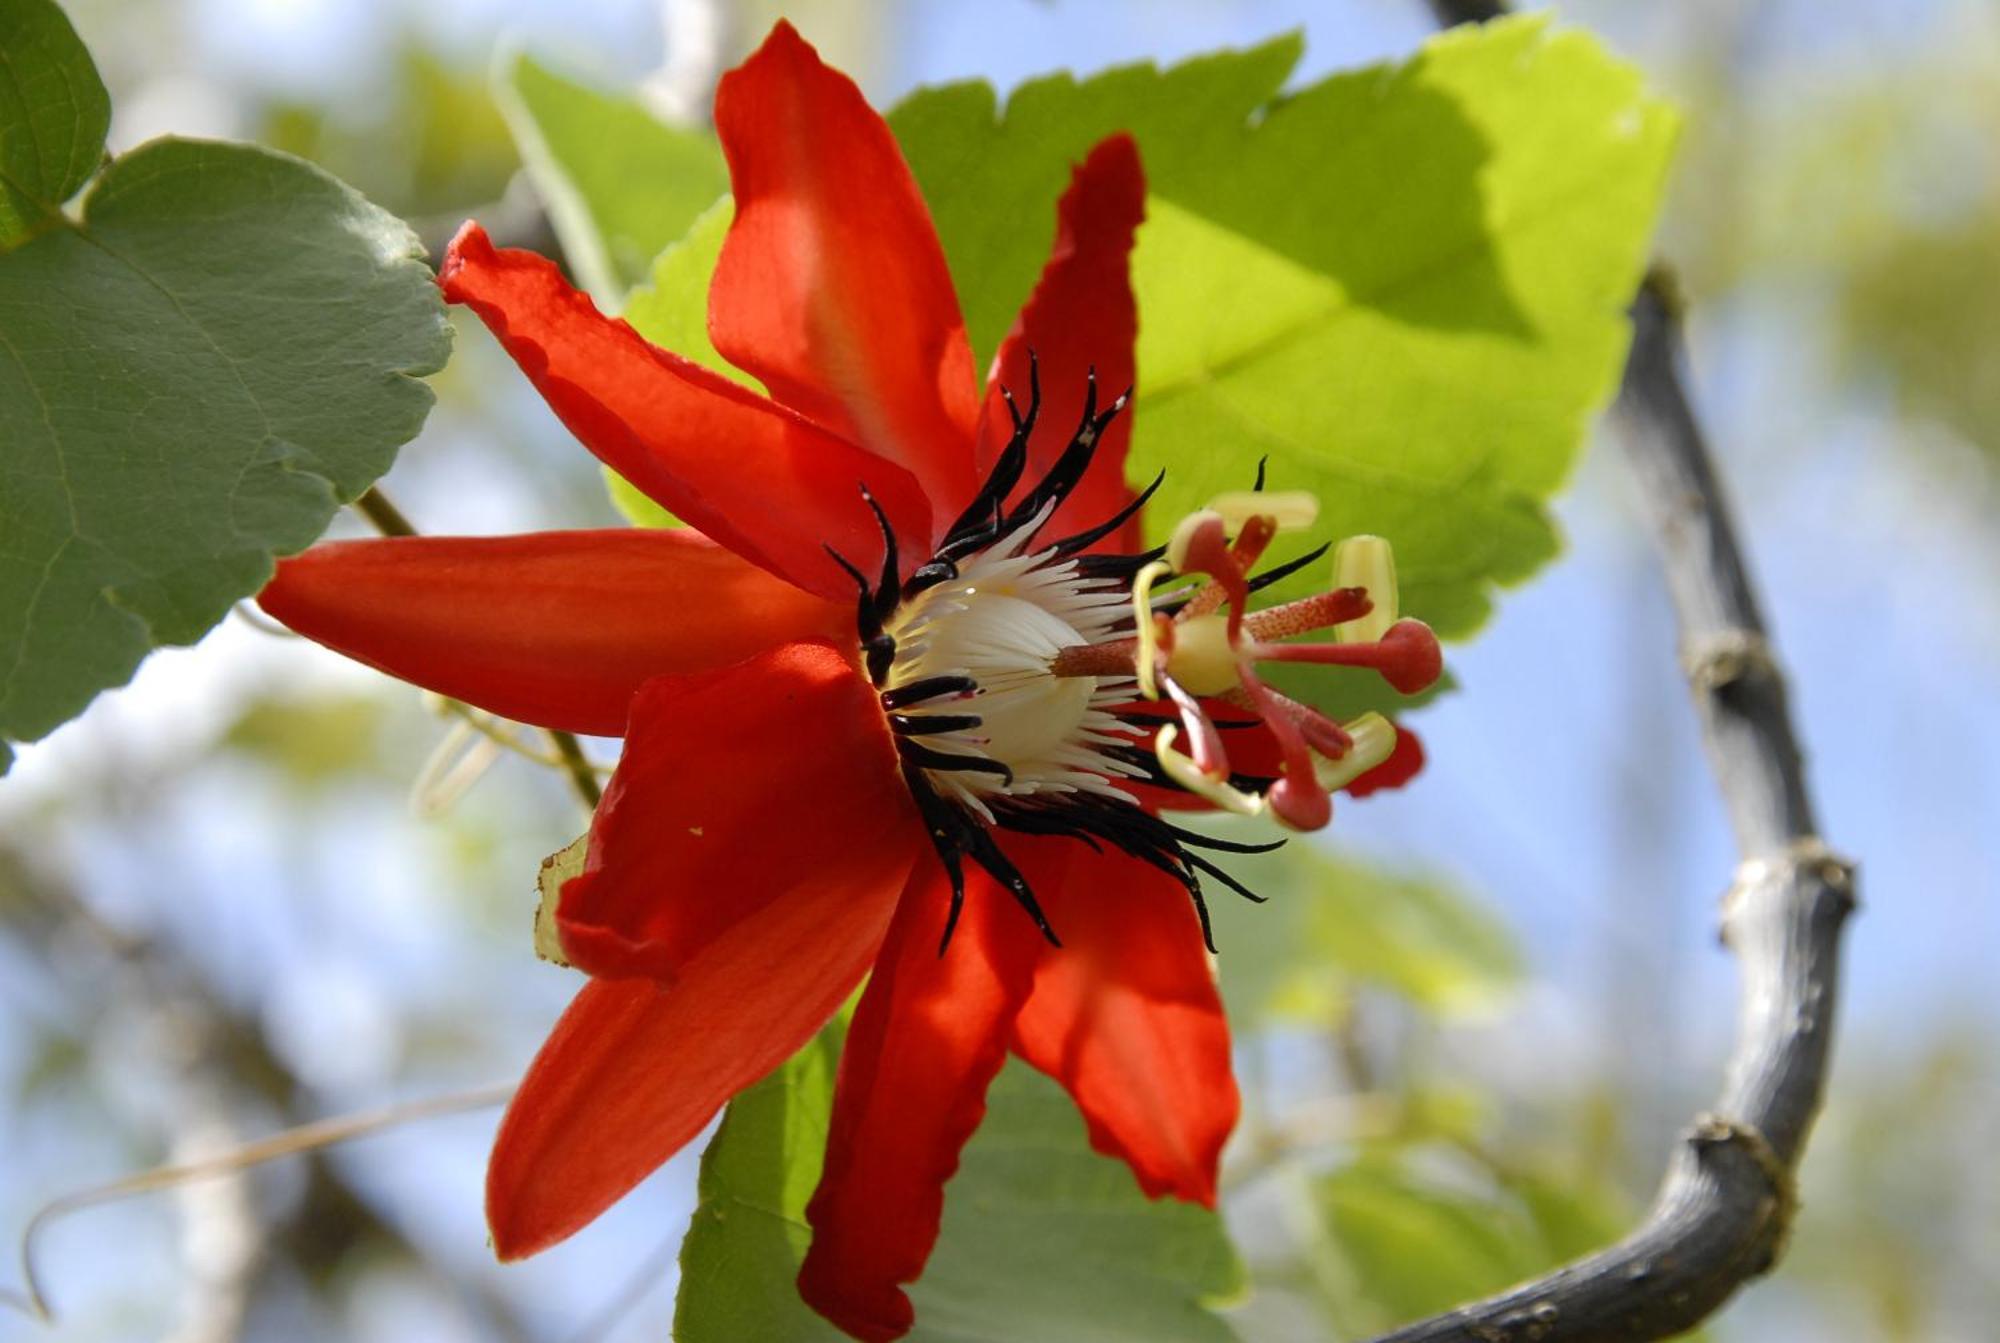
(742, 788)
(1081, 316)
(1127, 1017)
(559, 629)
(635, 1069)
(764, 481)
(928, 1036)
(832, 288)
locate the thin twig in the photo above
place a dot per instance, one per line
(582, 774)
(312, 1137)
(391, 521)
(1452, 12)
(383, 515)
(1725, 1208)
(330, 1221)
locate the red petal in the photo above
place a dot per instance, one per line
(771, 486)
(1126, 1016)
(927, 1038)
(558, 629)
(1082, 315)
(634, 1069)
(738, 789)
(832, 288)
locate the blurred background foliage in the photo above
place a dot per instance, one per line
(1467, 1033)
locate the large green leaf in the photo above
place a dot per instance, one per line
(1409, 1230)
(53, 115)
(192, 378)
(1330, 924)
(619, 183)
(992, 175)
(1042, 1239)
(1405, 284)
(1415, 1245)
(623, 188)
(659, 312)
(749, 1235)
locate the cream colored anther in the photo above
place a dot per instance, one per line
(1145, 661)
(1185, 772)
(1186, 530)
(1288, 510)
(1366, 562)
(1374, 741)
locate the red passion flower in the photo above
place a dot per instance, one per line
(905, 679)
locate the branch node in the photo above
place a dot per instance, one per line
(1728, 657)
(1707, 1233)
(1712, 1132)
(1807, 856)
(1530, 1324)
(1663, 285)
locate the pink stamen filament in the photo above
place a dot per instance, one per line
(1406, 656)
(1210, 552)
(1317, 612)
(1296, 798)
(1106, 659)
(1204, 739)
(1324, 735)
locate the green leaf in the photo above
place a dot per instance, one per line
(637, 507)
(1042, 1237)
(620, 184)
(192, 379)
(992, 175)
(54, 113)
(622, 189)
(743, 1249)
(433, 139)
(1330, 924)
(1415, 1246)
(660, 312)
(1575, 1216)
(1405, 284)
(1411, 1230)
(672, 309)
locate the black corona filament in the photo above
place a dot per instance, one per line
(955, 833)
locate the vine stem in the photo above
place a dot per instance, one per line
(1725, 1208)
(391, 521)
(305, 1138)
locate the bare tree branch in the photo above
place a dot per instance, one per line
(225, 1058)
(1725, 1208)
(1451, 12)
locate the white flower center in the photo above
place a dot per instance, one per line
(1000, 623)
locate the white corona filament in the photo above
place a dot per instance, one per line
(1001, 622)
